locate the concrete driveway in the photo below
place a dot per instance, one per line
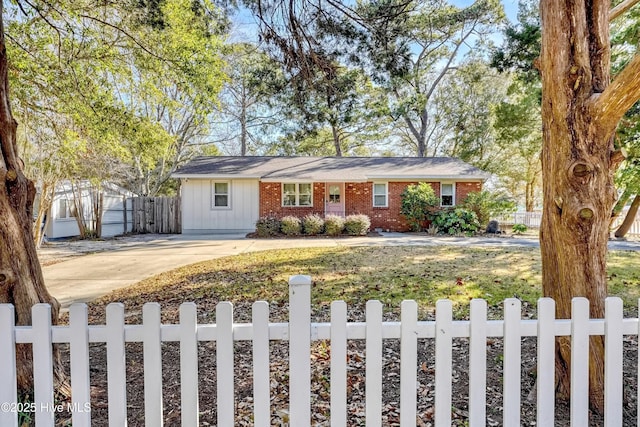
(84, 278)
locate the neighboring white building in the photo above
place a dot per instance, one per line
(61, 218)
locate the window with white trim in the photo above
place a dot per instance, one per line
(447, 194)
(380, 195)
(66, 209)
(221, 195)
(297, 194)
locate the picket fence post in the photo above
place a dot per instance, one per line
(546, 382)
(512, 362)
(79, 358)
(261, 379)
(189, 407)
(116, 366)
(299, 351)
(338, 364)
(579, 405)
(42, 366)
(8, 374)
(444, 341)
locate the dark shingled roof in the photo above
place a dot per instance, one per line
(352, 169)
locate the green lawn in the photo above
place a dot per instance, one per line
(355, 275)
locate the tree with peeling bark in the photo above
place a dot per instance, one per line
(581, 108)
(21, 280)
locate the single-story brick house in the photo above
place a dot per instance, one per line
(228, 194)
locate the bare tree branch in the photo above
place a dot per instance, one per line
(621, 8)
(609, 106)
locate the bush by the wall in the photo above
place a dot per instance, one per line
(519, 228)
(291, 225)
(417, 203)
(267, 227)
(487, 204)
(312, 224)
(456, 221)
(357, 225)
(333, 225)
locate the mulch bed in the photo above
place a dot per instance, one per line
(321, 377)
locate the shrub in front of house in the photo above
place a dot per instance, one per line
(488, 204)
(357, 225)
(456, 221)
(291, 225)
(267, 227)
(333, 225)
(312, 224)
(417, 202)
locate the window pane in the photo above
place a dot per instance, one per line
(289, 200)
(289, 188)
(447, 189)
(221, 188)
(221, 200)
(379, 200)
(62, 208)
(305, 200)
(447, 200)
(379, 189)
(305, 188)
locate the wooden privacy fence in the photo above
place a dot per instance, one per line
(157, 215)
(300, 332)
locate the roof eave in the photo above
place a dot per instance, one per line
(212, 176)
(429, 177)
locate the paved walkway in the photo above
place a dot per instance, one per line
(84, 278)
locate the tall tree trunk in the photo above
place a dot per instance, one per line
(630, 218)
(528, 198)
(580, 111)
(336, 140)
(620, 204)
(243, 129)
(21, 280)
(47, 194)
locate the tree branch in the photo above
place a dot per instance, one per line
(609, 106)
(621, 8)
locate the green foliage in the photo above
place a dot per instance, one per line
(486, 204)
(333, 225)
(291, 225)
(357, 225)
(521, 45)
(519, 228)
(456, 221)
(116, 92)
(312, 224)
(418, 201)
(267, 227)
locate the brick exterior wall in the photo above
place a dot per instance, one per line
(464, 188)
(358, 200)
(271, 201)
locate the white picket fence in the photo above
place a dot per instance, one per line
(533, 219)
(300, 332)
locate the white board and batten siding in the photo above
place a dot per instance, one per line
(199, 216)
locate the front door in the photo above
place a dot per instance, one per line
(334, 198)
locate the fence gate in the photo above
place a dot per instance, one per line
(157, 215)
